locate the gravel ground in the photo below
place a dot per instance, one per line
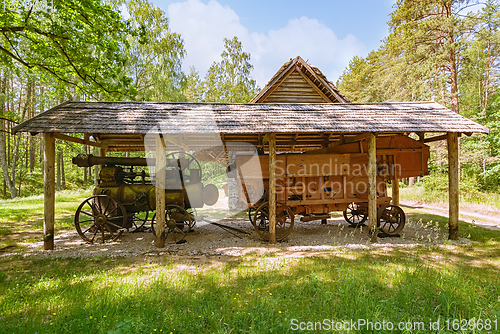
(207, 239)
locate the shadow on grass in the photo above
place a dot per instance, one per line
(247, 294)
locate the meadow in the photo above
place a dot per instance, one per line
(456, 285)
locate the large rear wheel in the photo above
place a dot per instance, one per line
(100, 219)
(284, 221)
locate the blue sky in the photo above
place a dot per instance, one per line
(327, 33)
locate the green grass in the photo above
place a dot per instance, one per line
(246, 294)
(489, 200)
(21, 215)
(29, 208)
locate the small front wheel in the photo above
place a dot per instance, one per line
(284, 221)
(355, 214)
(391, 219)
(178, 223)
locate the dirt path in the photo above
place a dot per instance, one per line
(490, 220)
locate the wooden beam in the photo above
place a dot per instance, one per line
(437, 138)
(453, 186)
(72, 139)
(372, 182)
(343, 140)
(421, 138)
(177, 140)
(348, 140)
(49, 160)
(160, 177)
(395, 191)
(272, 188)
(265, 139)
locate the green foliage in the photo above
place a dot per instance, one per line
(79, 43)
(226, 81)
(213, 173)
(435, 183)
(154, 58)
(490, 178)
(355, 81)
(194, 90)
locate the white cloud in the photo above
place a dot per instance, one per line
(204, 26)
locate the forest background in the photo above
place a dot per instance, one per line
(53, 51)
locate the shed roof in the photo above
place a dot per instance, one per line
(247, 118)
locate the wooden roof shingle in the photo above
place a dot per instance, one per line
(247, 118)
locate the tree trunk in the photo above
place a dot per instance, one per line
(3, 145)
(15, 156)
(32, 139)
(411, 182)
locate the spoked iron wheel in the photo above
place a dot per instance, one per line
(251, 213)
(391, 219)
(139, 220)
(178, 223)
(193, 212)
(100, 218)
(355, 215)
(284, 221)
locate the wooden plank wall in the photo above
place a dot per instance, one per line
(295, 89)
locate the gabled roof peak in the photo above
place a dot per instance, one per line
(297, 69)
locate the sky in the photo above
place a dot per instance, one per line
(326, 33)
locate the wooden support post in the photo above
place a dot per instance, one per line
(102, 152)
(395, 191)
(49, 179)
(372, 181)
(161, 162)
(453, 186)
(272, 188)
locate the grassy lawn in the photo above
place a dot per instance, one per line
(251, 294)
(22, 218)
(487, 201)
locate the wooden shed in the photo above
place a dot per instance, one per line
(122, 126)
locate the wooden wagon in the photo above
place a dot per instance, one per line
(335, 178)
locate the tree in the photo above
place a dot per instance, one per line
(194, 87)
(155, 56)
(431, 34)
(229, 80)
(80, 43)
(355, 80)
